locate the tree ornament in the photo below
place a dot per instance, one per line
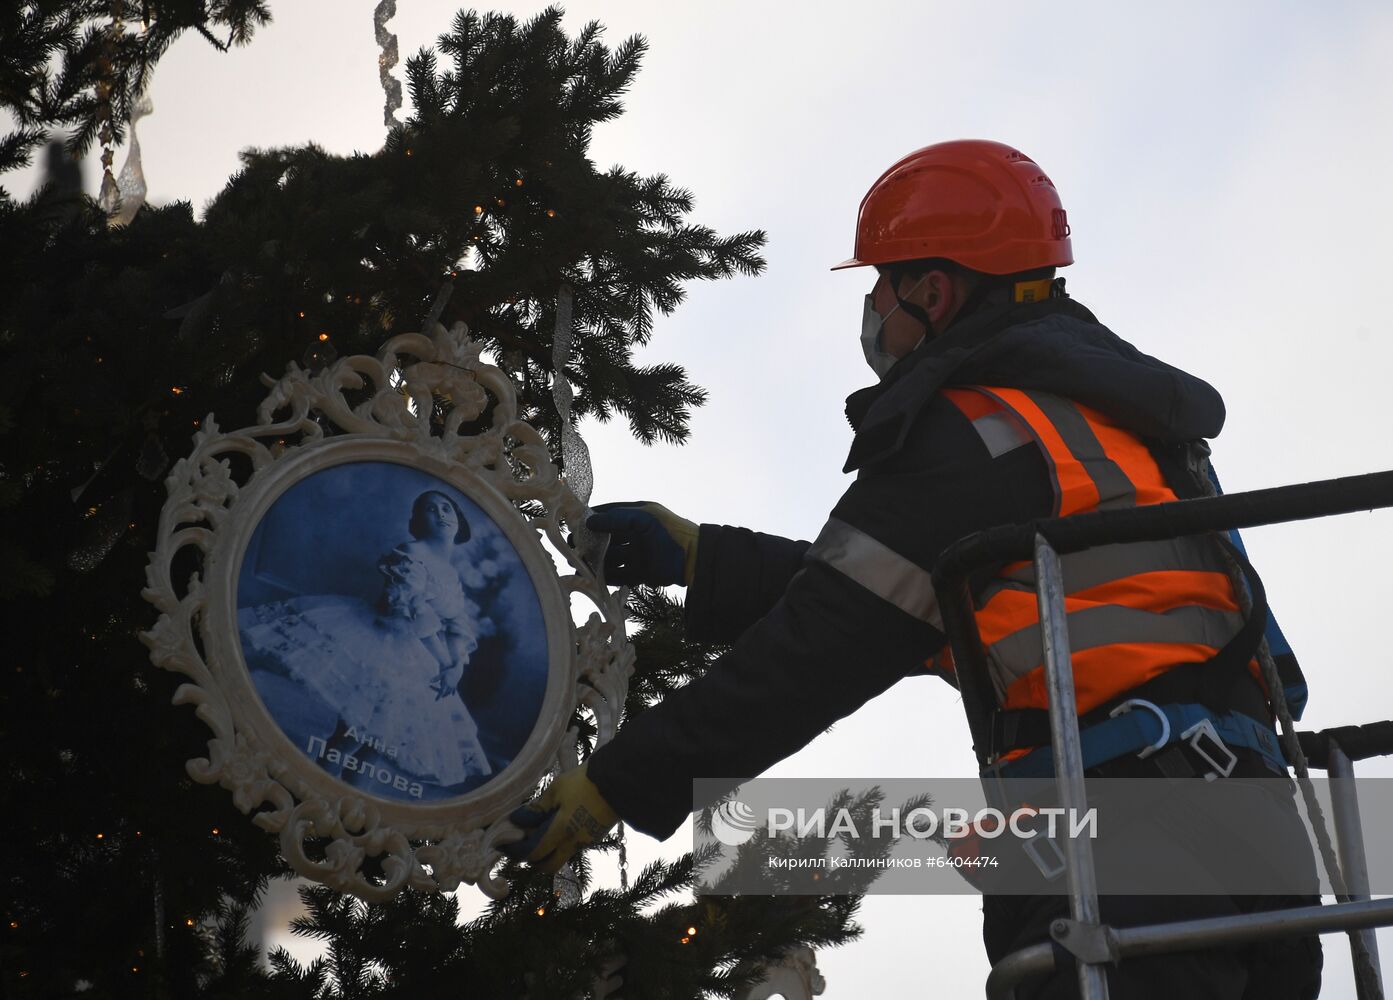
(795, 977)
(130, 185)
(381, 646)
(109, 198)
(319, 354)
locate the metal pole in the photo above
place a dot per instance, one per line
(1349, 835)
(1212, 932)
(1032, 962)
(1068, 755)
(1220, 932)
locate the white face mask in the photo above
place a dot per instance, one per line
(872, 326)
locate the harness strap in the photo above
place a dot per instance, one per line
(1135, 730)
(1222, 683)
(1221, 690)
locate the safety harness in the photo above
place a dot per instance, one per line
(1213, 705)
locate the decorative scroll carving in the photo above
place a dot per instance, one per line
(362, 410)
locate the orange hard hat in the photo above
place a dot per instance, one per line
(977, 203)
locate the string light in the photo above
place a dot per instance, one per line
(551, 213)
(541, 911)
(14, 925)
(686, 940)
(215, 831)
(323, 336)
(302, 314)
(478, 209)
(177, 390)
(502, 203)
(100, 836)
(188, 922)
(691, 931)
(518, 182)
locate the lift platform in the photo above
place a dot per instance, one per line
(1092, 944)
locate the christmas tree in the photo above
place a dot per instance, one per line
(125, 877)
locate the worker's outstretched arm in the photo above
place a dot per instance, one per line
(740, 576)
(860, 615)
(856, 618)
(827, 647)
(733, 575)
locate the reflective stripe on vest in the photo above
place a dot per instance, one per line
(1133, 611)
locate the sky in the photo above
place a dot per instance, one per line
(1225, 170)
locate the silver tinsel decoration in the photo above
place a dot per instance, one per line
(580, 477)
(575, 456)
(565, 887)
(122, 204)
(387, 41)
(103, 526)
(153, 459)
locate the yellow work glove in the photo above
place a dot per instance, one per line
(569, 815)
(648, 543)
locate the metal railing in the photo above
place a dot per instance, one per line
(1093, 944)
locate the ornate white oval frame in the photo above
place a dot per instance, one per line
(365, 409)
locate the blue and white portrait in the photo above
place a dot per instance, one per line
(392, 631)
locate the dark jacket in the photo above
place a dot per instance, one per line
(811, 644)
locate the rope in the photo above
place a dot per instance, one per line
(623, 857)
(1367, 977)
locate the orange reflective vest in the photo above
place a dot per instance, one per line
(1135, 610)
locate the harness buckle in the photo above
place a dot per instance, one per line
(1165, 737)
(1049, 868)
(1204, 730)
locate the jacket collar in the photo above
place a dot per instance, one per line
(1055, 345)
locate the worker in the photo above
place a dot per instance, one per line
(1000, 400)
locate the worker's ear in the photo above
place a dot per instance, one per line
(940, 297)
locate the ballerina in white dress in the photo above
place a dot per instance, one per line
(425, 596)
(390, 671)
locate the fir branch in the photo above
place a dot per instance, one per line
(659, 402)
(77, 34)
(96, 327)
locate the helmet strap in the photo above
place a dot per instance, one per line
(909, 308)
(986, 292)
